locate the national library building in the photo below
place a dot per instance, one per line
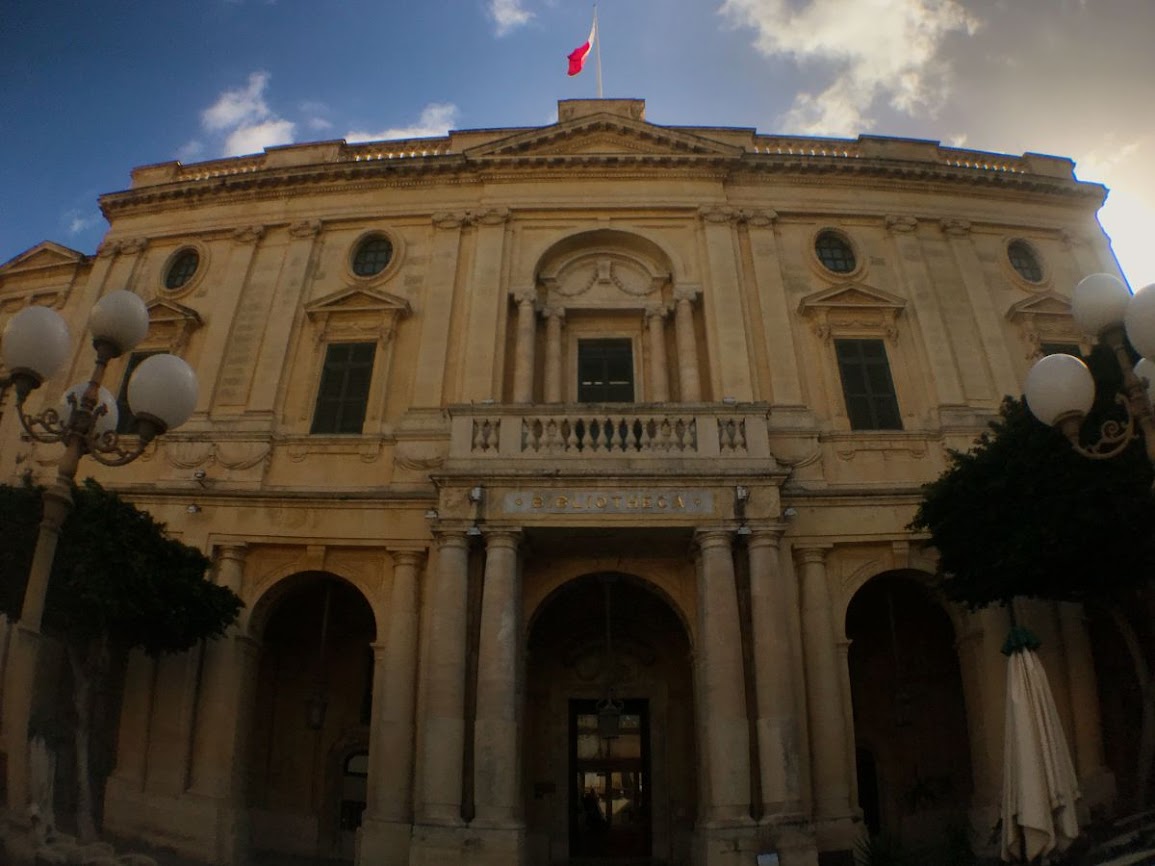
(565, 474)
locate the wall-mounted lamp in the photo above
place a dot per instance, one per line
(193, 508)
(473, 530)
(431, 514)
(742, 493)
(790, 512)
(475, 494)
(729, 401)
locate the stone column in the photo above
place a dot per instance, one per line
(691, 386)
(719, 687)
(554, 319)
(224, 719)
(830, 765)
(777, 719)
(1095, 780)
(659, 369)
(523, 367)
(214, 754)
(388, 810)
(497, 732)
(441, 739)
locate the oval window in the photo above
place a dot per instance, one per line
(835, 253)
(372, 256)
(184, 265)
(1024, 261)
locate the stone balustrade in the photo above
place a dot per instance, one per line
(609, 431)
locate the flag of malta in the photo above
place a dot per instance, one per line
(577, 57)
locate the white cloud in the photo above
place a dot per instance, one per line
(79, 222)
(255, 138)
(318, 123)
(875, 49)
(241, 107)
(437, 118)
(190, 151)
(508, 15)
(245, 120)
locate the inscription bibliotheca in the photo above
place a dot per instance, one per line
(610, 502)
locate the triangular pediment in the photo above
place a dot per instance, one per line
(44, 255)
(602, 135)
(163, 310)
(357, 300)
(1046, 304)
(851, 296)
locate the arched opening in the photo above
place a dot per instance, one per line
(311, 718)
(914, 767)
(600, 643)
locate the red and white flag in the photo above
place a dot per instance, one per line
(577, 57)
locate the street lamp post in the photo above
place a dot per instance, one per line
(162, 394)
(1060, 389)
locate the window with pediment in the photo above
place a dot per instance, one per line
(863, 365)
(349, 354)
(170, 327)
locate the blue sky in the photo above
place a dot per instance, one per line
(91, 88)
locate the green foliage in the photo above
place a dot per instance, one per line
(1023, 514)
(116, 575)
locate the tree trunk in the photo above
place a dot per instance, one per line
(89, 664)
(1147, 693)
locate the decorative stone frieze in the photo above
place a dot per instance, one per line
(955, 227)
(305, 229)
(247, 234)
(901, 224)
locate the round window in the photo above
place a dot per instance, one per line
(1024, 261)
(835, 253)
(182, 268)
(372, 256)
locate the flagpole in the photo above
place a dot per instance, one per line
(598, 49)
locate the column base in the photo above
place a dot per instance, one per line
(473, 845)
(211, 829)
(716, 845)
(791, 837)
(838, 833)
(383, 843)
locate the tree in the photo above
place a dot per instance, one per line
(1023, 514)
(118, 583)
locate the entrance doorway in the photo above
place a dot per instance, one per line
(610, 791)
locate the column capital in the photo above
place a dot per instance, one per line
(715, 536)
(247, 234)
(411, 556)
(524, 296)
(901, 224)
(955, 227)
(505, 536)
(454, 534)
(305, 229)
(766, 535)
(656, 310)
(812, 553)
(231, 550)
(684, 292)
(553, 311)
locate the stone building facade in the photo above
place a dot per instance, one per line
(504, 432)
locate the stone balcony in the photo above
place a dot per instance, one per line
(594, 439)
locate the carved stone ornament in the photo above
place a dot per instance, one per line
(605, 276)
(247, 234)
(448, 220)
(687, 292)
(357, 314)
(853, 309)
(1046, 318)
(713, 213)
(171, 324)
(133, 246)
(901, 224)
(955, 227)
(305, 229)
(108, 249)
(524, 296)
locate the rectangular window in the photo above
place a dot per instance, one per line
(1061, 349)
(126, 421)
(870, 399)
(606, 371)
(344, 391)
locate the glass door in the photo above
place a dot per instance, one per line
(610, 780)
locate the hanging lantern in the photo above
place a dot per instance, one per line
(609, 718)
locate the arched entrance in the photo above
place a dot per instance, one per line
(590, 795)
(311, 717)
(914, 769)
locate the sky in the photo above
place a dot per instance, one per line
(90, 89)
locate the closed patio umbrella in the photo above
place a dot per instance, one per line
(1040, 787)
